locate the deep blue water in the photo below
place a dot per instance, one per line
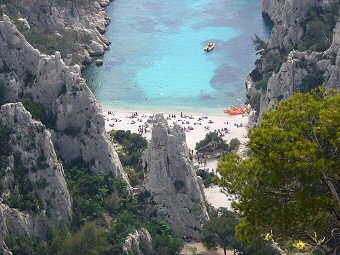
(157, 62)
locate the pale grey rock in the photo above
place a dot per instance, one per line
(138, 243)
(104, 3)
(287, 81)
(84, 19)
(176, 193)
(283, 84)
(96, 49)
(333, 69)
(287, 16)
(31, 143)
(76, 120)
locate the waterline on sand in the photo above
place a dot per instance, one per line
(157, 62)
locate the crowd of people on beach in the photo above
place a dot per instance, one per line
(222, 132)
(142, 129)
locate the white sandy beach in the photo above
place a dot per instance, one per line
(123, 120)
(120, 120)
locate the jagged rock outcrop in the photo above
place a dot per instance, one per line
(72, 113)
(85, 21)
(138, 243)
(292, 72)
(176, 193)
(288, 17)
(34, 195)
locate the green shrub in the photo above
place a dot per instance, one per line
(41, 163)
(221, 231)
(4, 141)
(212, 138)
(262, 84)
(131, 154)
(90, 240)
(2, 93)
(234, 144)
(89, 192)
(256, 75)
(179, 185)
(208, 178)
(143, 196)
(255, 102)
(273, 61)
(313, 80)
(72, 131)
(96, 194)
(24, 245)
(42, 183)
(319, 26)
(29, 79)
(134, 176)
(280, 97)
(36, 109)
(165, 240)
(124, 224)
(259, 43)
(197, 209)
(131, 142)
(22, 195)
(62, 90)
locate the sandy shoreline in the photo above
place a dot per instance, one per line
(237, 126)
(121, 120)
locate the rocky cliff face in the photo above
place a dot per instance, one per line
(72, 113)
(79, 24)
(287, 17)
(34, 194)
(291, 74)
(299, 68)
(176, 193)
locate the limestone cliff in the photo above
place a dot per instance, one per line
(34, 194)
(298, 69)
(176, 192)
(76, 28)
(72, 113)
(287, 17)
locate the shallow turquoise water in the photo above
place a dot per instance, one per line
(157, 62)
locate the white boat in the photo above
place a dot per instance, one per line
(209, 47)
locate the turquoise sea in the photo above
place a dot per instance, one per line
(157, 62)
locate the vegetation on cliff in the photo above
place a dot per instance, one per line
(104, 213)
(130, 153)
(317, 36)
(319, 26)
(56, 26)
(289, 186)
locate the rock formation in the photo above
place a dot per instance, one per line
(288, 17)
(176, 193)
(81, 23)
(72, 113)
(34, 194)
(138, 243)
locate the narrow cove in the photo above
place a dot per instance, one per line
(157, 62)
